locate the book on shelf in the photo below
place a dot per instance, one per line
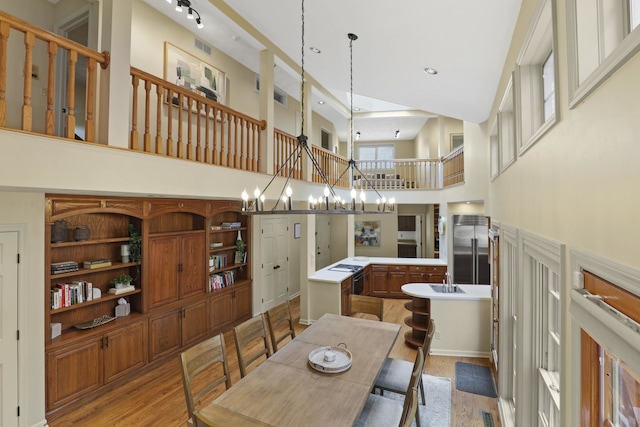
(97, 263)
(216, 227)
(68, 294)
(221, 280)
(125, 289)
(217, 261)
(216, 245)
(231, 224)
(64, 267)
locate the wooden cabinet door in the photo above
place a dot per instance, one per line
(242, 302)
(379, 285)
(195, 322)
(417, 274)
(437, 274)
(345, 291)
(192, 265)
(163, 271)
(125, 350)
(73, 371)
(164, 333)
(397, 278)
(221, 313)
(367, 280)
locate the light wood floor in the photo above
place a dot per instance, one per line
(156, 398)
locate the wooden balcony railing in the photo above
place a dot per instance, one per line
(284, 153)
(399, 174)
(73, 51)
(180, 123)
(334, 167)
(453, 167)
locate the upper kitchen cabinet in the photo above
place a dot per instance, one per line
(406, 223)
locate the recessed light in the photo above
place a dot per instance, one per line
(431, 71)
(356, 109)
(321, 102)
(314, 49)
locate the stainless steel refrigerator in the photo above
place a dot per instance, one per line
(471, 249)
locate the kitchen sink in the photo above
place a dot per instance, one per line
(441, 289)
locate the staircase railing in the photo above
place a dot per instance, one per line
(54, 42)
(180, 123)
(453, 167)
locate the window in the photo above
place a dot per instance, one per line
(495, 151)
(602, 36)
(370, 156)
(325, 139)
(541, 325)
(507, 129)
(279, 96)
(549, 88)
(536, 78)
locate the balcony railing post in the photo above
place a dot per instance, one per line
(29, 42)
(50, 122)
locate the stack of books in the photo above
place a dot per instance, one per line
(231, 225)
(97, 263)
(215, 245)
(125, 289)
(64, 267)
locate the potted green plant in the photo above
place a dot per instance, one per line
(121, 281)
(135, 244)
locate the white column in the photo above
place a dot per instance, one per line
(267, 110)
(307, 264)
(115, 81)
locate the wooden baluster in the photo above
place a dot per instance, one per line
(254, 151)
(227, 142)
(180, 151)
(169, 149)
(215, 157)
(231, 161)
(50, 118)
(159, 92)
(189, 128)
(198, 146)
(91, 86)
(243, 145)
(223, 145)
(237, 151)
(135, 81)
(258, 140)
(207, 146)
(71, 103)
(29, 41)
(147, 116)
(4, 37)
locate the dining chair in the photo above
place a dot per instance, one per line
(380, 411)
(199, 364)
(251, 342)
(280, 324)
(367, 305)
(396, 373)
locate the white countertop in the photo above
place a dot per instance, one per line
(471, 292)
(326, 275)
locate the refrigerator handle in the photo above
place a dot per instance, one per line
(474, 258)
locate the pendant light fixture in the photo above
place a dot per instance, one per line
(328, 202)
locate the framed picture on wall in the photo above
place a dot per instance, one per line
(456, 140)
(187, 71)
(367, 233)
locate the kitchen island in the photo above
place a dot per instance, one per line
(463, 318)
(329, 289)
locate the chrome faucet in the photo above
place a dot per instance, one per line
(449, 285)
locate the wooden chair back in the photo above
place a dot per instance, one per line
(280, 324)
(366, 304)
(198, 364)
(431, 330)
(251, 342)
(200, 421)
(411, 412)
(414, 383)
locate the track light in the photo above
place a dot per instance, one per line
(192, 14)
(357, 135)
(397, 134)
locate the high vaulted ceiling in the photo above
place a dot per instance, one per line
(466, 41)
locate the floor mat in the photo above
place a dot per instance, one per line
(475, 379)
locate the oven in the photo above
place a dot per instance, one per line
(357, 282)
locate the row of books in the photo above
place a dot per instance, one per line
(64, 267)
(217, 261)
(67, 294)
(222, 280)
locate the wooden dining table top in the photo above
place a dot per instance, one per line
(285, 390)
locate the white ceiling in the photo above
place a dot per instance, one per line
(465, 40)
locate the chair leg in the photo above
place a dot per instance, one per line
(424, 401)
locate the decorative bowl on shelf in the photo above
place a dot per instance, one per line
(81, 233)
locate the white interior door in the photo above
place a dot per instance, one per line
(8, 329)
(275, 272)
(323, 238)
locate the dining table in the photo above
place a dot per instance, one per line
(285, 390)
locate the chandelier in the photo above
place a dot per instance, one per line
(329, 202)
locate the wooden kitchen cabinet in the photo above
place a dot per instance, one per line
(406, 223)
(345, 293)
(164, 333)
(379, 286)
(230, 305)
(397, 278)
(195, 322)
(387, 280)
(427, 274)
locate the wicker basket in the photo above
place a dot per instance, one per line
(59, 231)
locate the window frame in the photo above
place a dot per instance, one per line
(507, 127)
(605, 63)
(539, 45)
